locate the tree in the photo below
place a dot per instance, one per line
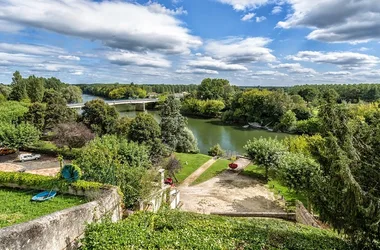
(173, 125)
(18, 136)
(99, 117)
(187, 142)
(144, 128)
(72, 135)
(288, 122)
(54, 84)
(12, 112)
(36, 115)
(265, 152)
(213, 89)
(122, 126)
(56, 109)
(216, 150)
(173, 166)
(35, 88)
(72, 94)
(116, 161)
(18, 85)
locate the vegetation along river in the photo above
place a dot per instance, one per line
(209, 132)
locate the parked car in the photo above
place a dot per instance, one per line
(29, 157)
(6, 151)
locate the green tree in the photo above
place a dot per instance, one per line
(54, 83)
(123, 125)
(144, 128)
(266, 152)
(213, 89)
(288, 122)
(118, 162)
(18, 136)
(18, 85)
(100, 117)
(187, 142)
(72, 94)
(35, 88)
(56, 109)
(36, 115)
(216, 150)
(12, 111)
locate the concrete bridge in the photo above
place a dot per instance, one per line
(140, 103)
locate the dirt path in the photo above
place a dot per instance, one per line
(229, 192)
(191, 178)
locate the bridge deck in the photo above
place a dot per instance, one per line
(116, 102)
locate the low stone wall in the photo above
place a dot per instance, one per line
(304, 217)
(62, 229)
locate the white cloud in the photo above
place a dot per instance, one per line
(197, 71)
(116, 24)
(239, 50)
(337, 73)
(139, 59)
(276, 10)
(248, 17)
(210, 63)
(260, 19)
(363, 49)
(54, 67)
(336, 20)
(18, 59)
(30, 49)
(346, 60)
(241, 5)
(268, 73)
(77, 72)
(293, 68)
(160, 9)
(72, 58)
(9, 27)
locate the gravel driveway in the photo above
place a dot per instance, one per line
(229, 192)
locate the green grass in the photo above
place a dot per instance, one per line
(171, 229)
(16, 206)
(218, 167)
(190, 163)
(275, 186)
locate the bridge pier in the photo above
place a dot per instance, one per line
(140, 106)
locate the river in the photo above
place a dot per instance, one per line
(209, 132)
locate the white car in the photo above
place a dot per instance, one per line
(29, 157)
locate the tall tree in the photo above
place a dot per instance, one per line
(72, 94)
(18, 85)
(35, 88)
(144, 128)
(36, 115)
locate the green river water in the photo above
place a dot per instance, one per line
(209, 132)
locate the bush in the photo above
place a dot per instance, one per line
(311, 126)
(170, 229)
(216, 150)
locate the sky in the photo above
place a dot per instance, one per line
(248, 42)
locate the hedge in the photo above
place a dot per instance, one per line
(172, 229)
(48, 148)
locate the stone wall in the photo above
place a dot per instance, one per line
(304, 217)
(62, 229)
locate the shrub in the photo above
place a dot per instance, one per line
(311, 126)
(216, 150)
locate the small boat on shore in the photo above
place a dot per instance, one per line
(44, 196)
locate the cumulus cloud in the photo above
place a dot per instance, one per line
(276, 10)
(260, 19)
(72, 58)
(139, 59)
(248, 17)
(346, 60)
(210, 63)
(117, 24)
(336, 20)
(240, 5)
(197, 71)
(293, 68)
(268, 73)
(158, 8)
(239, 50)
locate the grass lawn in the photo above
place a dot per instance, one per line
(275, 186)
(17, 207)
(218, 167)
(190, 163)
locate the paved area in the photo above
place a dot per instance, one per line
(229, 192)
(191, 178)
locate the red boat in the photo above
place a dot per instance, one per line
(233, 165)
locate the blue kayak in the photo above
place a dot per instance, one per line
(44, 196)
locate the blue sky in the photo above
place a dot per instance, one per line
(249, 42)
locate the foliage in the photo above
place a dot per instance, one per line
(303, 144)
(99, 117)
(116, 161)
(215, 89)
(173, 166)
(54, 84)
(72, 94)
(310, 126)
(265, 152)
(144, 128)
(173, 127)
(206, 108)
(218, 167)
(35, 88)
(12, 111)
(56, 109)
(36, 115)
(171, 229)
(189, 163)
(73, 135)
(17, 136)
(18, 207)
(49, 148)
(287, 122)
(216, 150)
(18, 85)
(122, 126)
(115, 91)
